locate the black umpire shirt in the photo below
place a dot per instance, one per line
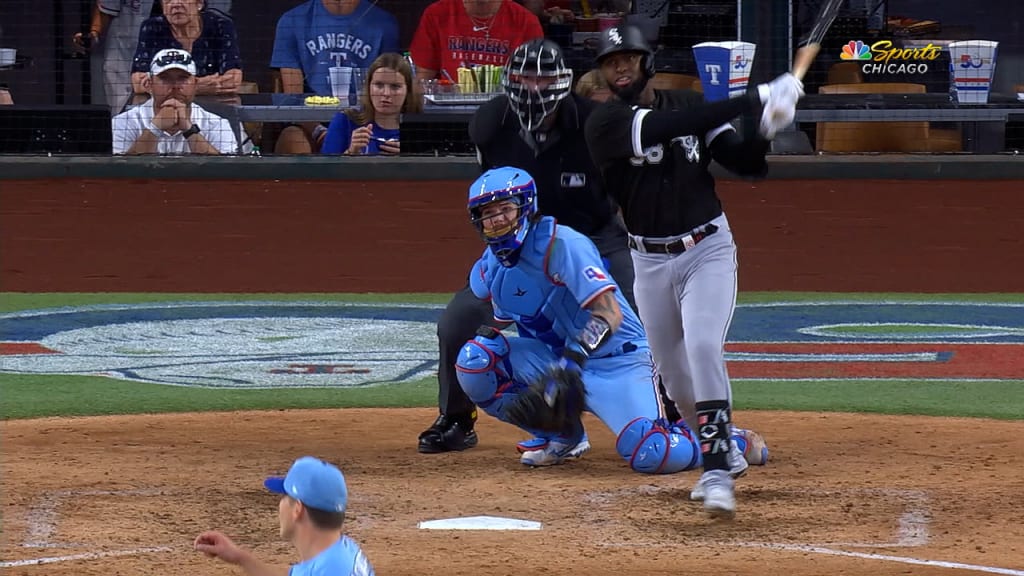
(568, 183)
(666, 189)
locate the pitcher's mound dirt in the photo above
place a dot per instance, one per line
(933, 489)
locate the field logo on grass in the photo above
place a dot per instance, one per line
(323, 344)
(226, 344)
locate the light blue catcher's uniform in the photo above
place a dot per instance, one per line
(558, 272)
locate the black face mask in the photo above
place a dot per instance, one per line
(533, 106)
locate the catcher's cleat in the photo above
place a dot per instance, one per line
(531, 445)
(556, 452)
(752, 445)
(448, 434)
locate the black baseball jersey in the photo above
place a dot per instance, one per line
(568, 183)
(665, 189)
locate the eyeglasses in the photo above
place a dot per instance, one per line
(174, 58)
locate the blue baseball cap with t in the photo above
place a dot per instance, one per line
(315, 483)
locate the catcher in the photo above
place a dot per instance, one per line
(580, 346)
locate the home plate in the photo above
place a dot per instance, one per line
(480, 523)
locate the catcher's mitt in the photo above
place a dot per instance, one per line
(554, 403)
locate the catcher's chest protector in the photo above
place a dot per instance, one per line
(522, 290)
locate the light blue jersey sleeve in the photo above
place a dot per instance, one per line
(343, 558)
(576, 263)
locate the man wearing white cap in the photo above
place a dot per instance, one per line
(311, 513)
(170, 123)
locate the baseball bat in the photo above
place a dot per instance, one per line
(806, 54)
(804, 58)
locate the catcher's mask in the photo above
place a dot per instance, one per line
(502, 204)
(627, 39)
(536, 79)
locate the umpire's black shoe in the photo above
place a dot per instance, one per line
(448, 434)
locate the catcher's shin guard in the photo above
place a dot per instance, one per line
(657, 447)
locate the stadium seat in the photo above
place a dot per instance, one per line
(672, 81)
(872, 136)
(845, 73)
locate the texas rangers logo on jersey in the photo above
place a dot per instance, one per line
(594, 274)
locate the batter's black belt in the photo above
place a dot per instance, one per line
(677, 246)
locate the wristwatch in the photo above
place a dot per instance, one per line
(191, 131)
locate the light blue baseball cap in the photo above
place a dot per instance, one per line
(315, 483)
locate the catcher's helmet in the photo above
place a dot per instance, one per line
(497, 185)
(535, 80)
(626, 38)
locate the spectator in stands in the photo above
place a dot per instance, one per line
(208, 35)
(317, 35)
(461, 33)
(592, 85)
(375, 129)
(112, 38)
(170, 123)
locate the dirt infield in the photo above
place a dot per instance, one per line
(917, 489)
(843, 494)
(292, 236)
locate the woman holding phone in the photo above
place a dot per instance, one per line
(374, 127)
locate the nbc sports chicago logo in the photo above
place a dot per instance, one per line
(883, 58)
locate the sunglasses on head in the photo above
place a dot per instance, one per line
(174, 58)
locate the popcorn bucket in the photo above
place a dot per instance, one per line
(972, 64)
(724, 68)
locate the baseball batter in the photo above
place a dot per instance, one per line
(654, 148)
(550, 281)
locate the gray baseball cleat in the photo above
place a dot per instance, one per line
(737, 467)
(719, 495)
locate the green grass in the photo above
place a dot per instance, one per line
(14, 301)
(27, 396)
(30, 396)
(989, 399)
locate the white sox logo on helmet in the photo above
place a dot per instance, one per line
(614, 36)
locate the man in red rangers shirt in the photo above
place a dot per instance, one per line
(463, 33)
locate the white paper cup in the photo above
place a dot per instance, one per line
(724, 68)
(341, 82)
(972, 63)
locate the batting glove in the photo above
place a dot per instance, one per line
(779, 98)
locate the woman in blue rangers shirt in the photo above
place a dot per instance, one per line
(374, 128)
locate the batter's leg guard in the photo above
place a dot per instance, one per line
(657, 447)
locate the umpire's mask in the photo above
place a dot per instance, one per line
(535, 80)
